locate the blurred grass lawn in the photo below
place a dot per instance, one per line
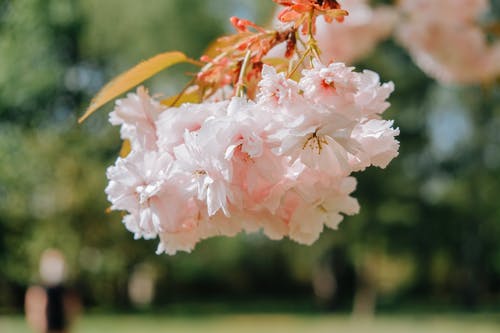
(273, 323)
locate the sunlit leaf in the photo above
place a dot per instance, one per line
(132, 78)
(192, 95)
(125, 149)
(281, 64)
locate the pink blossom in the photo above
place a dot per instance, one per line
(271, 224)
(371, 96)
(142, 184)
(275, 89)
(255, 170)
(350, 93)
(185, 241)
(260, 181)
(137, 115)
(210, 173)
(320, 134)
(378, 145)
(306, 219)
(445, 40)
(172, 123)
(133, 224)
(358, 35)
(339, 201)
(447, 10)
(332, 86)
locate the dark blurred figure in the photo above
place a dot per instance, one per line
(51, 307)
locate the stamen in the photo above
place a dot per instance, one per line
(199, 173)
(315, 142)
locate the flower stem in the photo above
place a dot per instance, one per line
(312, 43)
(183, 91)
(301, 60)
(239, 90)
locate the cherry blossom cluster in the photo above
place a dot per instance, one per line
(281, 162)
(450, 40)
(357, 36)
(361, 31)
(445, 39)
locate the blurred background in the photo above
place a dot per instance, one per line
(426, 243)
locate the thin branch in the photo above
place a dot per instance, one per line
(240, 84)
(183, 91)
(301, 60)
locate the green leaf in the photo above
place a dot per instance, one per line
(132, 78)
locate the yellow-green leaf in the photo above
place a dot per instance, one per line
(281, 64)
(125, 149)
(132, 78)
(192, 95)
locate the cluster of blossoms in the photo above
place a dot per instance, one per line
(445, 38)
(281, 163)
(356, 37)
(446, 41)
(259, 143)
(246, 145)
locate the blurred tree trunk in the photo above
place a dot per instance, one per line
(365, 298)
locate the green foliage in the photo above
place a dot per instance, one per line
(31, 69)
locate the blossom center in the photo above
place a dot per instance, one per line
(200, 173)
(315, 142)
(145, 192)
